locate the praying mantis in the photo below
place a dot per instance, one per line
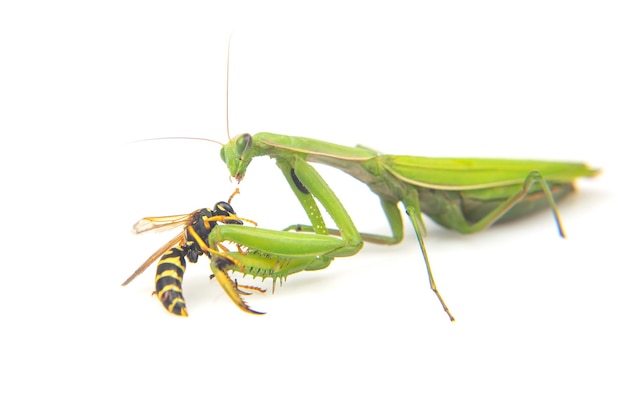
(463, 194)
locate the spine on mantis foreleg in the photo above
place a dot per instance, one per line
(263, 265)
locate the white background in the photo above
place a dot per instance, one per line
(540, 320)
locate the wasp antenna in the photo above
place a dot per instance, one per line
(179, 138)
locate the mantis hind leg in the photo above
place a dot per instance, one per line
(461, 224)
(504, 208)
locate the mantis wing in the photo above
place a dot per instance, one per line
(478, 173)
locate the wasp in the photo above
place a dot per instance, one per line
(190, 243)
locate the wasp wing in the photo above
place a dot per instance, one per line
(162, 223)
(156, 255)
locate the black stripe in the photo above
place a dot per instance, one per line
(162, 282)
(173, 260)
(297, 182)
(170, 267)
(175, 252)
(174, 300)
(178, 307)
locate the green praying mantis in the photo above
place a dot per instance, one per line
(462, 194)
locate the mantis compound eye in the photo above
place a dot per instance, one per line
(244, 142)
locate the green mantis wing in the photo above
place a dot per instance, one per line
(478, 173)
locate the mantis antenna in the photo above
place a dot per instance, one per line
(227, 106)
(227, 85)
(227, 116)
(179, 138)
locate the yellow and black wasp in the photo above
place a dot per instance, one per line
(190, 243)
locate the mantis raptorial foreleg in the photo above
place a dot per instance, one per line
(394, 217)
(307, 183)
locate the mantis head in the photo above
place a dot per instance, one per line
(237, 154)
